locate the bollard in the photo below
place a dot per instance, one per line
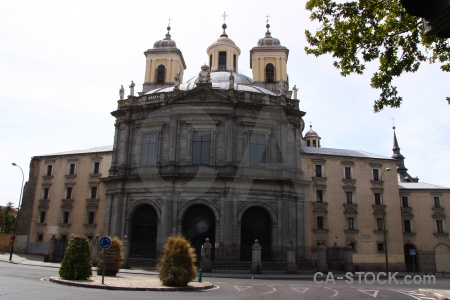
(200, 275)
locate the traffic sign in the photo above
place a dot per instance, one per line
(412, 252)
(313, 249)
(105, 242)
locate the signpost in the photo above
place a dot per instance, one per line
(105, 243)
(413, 253)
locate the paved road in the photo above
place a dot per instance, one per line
(28, 282)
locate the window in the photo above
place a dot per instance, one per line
(437, 201)
(376, 174)
(210, 61)
(352, 245)
(91, 217)
(93, 192)
(42, 217)
(270, 73)
(40, 237)
(308, 143)
(64, 238)
(234, 62)
(377, 198)
(314, 143)
(348, 172)
(439, 226)
(320, 223)
(379, 223)
(201, 143)
(349, 197)
(351, 223)
(45, 192)
(149, 148)
(48, 171)
(407, 226)
(96, 168)
(160, 74)
(257, 149)
(319, 196)
(380, 247)
(405, 201)
(65, 217)
(222, 60)
(68, 193)
(318, 171)
(71, 169)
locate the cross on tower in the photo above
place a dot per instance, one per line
(393, 121)
(224, 16)
(169, 21)
(267, 18)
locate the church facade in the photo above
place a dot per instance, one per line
(227, 157)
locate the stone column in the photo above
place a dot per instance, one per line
(52, 248)
(322, 259)
(206, 256)
(349, 266)
(291, 267)
(94, 250)
(256, 258)
(126, 251)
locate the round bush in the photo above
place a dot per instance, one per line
(76, 264)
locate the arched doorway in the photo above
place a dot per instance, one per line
(411, 261)
(144, 226)
(199, 223)
(256, 224)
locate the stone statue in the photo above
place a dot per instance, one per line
(205, 75)
(295, 89)
(132, 88)
(231, 81)
(281, 86)
(121, 92)
(176, 84)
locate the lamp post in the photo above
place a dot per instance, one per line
(17, 216)
(384, 222)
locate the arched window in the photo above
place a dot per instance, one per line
(270, 73)
(160, 74)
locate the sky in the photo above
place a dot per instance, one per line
(62, 64)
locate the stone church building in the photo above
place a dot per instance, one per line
(227, 157)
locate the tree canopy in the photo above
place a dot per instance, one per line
(359, 32)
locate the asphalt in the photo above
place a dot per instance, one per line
(38, 260)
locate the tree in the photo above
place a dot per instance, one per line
(76, 264)
(359, 32)
(8, 219)
(177, 264)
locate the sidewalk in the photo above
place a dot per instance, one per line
(38, 260)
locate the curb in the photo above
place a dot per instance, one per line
(109, 287)
(435, 295)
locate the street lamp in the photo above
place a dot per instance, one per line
(17, 216)
(384, 222)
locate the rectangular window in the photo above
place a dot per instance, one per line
(320, 223)
(350, 223)
(405, 201)
(96, 168)
(380, 247)
(407, 225)
(437, 201)
(149, 148)
(68, 193)
(349, 197)
(319, 196)
(377, 198)
(376, 174)
(40, 237)
(45, 192)
(64, 238)
(42, 217)
(71, 169)
(210, 61)
(318, 171)
(91, 217)
(49, 170)
(348, 172)
(379, 223)
(222, 60)
(201, 144)
(93, 192)
(439, 226)
(257, 149)
(234, 62)
(65, 219)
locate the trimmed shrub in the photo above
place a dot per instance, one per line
(76, 264)
(114, 258)
(177, 264)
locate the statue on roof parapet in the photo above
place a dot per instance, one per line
(122, 92)
(176, 84)
(205, 75)
(295, 89)
(281, 86)
(132, 88)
